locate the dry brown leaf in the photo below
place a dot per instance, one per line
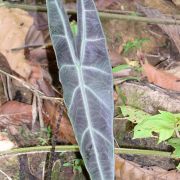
(161, 78)
(38, 34)
(103, 4)
(51, 114)
(14, 113)
(115, 57)
(14, 24)
(172, 31)
(177, 3)
(127, 170)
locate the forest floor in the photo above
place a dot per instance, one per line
(143, 39)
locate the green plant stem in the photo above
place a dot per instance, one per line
(101, 14)
(75, 148)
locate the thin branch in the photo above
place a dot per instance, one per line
(9, 88)
(4, 82)
(34, 110)
(32, 88)
(5, 175)
(39, 106)
(101, 14)
(75, 148)
(52, 155)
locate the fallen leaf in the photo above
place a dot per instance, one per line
(176, 2)
(171, 30)
(14, 113)
(127, 170)
(14, 24)
(38, 34)
(159, 77)
(103, 4)
(51, 114)
(115, 58)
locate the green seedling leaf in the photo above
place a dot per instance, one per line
(164, 124)
(134, 115)
(130, 78)
(120, 68)
(68, 164)
(74, 27)
(178, 167)
(136, 44)
(175, 143)
(43, 141)
(78, 164)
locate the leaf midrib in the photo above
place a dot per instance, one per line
(80, 78)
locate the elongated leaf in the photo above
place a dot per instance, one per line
(86, 77)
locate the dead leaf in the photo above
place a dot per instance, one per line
(159, 77)
(172, 31)
(116, 58)
(14, 24)
(14, 113)
(103, 4)
(38, 35)
(127, 170)
(51, 114)
(177, 3)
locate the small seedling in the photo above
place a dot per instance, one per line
(120, 68)
(74, 28)
(45, 136)
(165, 125)
(136, 44)
(76, 164)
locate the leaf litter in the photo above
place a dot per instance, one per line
(35, 71)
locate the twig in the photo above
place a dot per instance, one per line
(9, 88)
(32, 88)
(75, 148)
(101, 14)
(34, 110)
(39, 106)
(5, 175)
(4, 82)
(51, 156)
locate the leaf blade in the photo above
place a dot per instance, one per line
(86, 76)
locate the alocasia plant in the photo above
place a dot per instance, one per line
(86, 77)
